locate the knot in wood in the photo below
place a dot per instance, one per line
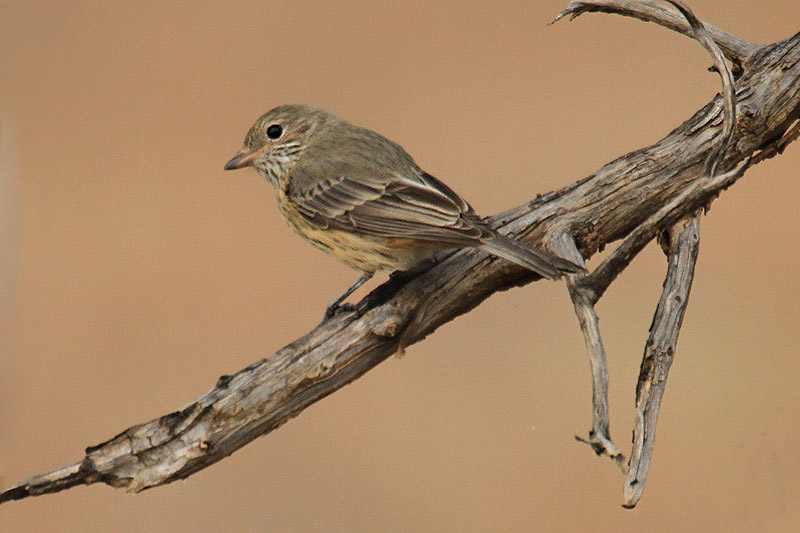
(389, 327)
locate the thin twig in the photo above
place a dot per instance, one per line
(600, 435)
(702, 35)
(736, 49)
(54, 481)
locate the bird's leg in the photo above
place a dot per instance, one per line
(334, 306)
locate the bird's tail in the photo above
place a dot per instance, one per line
(545, 264)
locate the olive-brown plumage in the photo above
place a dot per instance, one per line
(362, 198)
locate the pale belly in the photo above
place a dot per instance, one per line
(361, 252)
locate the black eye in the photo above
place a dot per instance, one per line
(274, 131)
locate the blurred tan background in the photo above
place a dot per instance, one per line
(134, 272)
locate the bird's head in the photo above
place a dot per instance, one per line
(278, 138)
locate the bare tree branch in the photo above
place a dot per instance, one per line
(596, 284)
(585, 290)
(632, 197)
(681, 252)
(702, 35)
(735, 49)
(600, 278)
(583, 302)
(683, 246)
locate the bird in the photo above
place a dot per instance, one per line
(362, 198)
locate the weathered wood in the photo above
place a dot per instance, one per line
(659, 351)
(734, 48)
(583, 300)
(586, 289)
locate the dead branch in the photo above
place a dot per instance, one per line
(585, 289)
(681, 250)
(631, 198)
(583, 299)
(735, 49)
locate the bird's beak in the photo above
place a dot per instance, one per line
(242, 159)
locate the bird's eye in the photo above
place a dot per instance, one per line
(274, 131)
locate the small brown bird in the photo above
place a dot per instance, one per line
(360, 197)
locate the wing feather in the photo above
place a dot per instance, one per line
(390, 206)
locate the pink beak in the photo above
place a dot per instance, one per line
(241, 160)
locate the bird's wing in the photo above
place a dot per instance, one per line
(421, 207)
